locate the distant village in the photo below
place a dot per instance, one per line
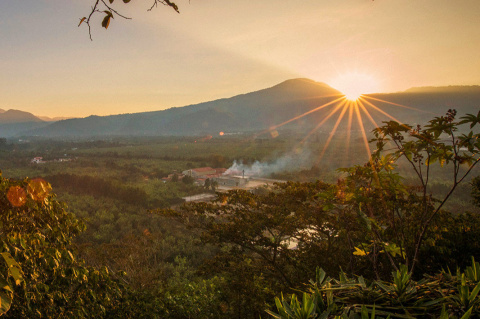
(40, 160)
(220, 180)
(215, 179)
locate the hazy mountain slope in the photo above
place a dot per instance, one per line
(16, 116)
(246, 112)
(53, 119)
(269, 107)
(19, 129)
(14, 122)
(429, 102)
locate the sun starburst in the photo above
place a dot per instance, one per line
(354, 108)
(354, 84)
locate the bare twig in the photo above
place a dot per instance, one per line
(114, 11)
(111, 10)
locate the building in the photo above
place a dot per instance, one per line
(37, 160)
(231, 181)
(200, 172)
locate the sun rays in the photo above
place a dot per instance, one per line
(354, 113)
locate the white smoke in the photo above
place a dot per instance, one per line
(289, 162)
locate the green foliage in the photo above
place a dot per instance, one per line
(207, 183)
(175, 178)
(267, 241)
(97, 187)
(40, 275)
(189, 180)
(438, 296)
(397, 217)
(185, 296)
(367, 223)
(476, 190)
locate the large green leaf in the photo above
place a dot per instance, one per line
(13, 267)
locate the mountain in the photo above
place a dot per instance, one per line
(53, 119)
(242, 113)
(13, 122)
(16, 116)
(445, 89)
(417, 105)
(267, 108)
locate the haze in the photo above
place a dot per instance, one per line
(215, 49)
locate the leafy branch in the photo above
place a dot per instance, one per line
(426, 146)
(102, 7)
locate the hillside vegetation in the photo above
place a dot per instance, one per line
(231, 258)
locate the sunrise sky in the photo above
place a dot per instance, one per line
(220, 48)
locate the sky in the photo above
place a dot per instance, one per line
(221, 48)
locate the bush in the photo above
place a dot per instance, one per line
(40, 275)
(442, 295)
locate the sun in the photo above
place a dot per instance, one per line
(354, 84)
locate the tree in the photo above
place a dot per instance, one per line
(267, 241)
(476, 190)
(175, 177)
(40, 275)
(102, 7)
(370, 223)
(371, 219)
(398, 217)
(213, 185)
(189, 180)
(207, 183)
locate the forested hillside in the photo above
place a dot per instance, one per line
(230, 258)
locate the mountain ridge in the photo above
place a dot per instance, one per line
(17, 116)
(260, 110)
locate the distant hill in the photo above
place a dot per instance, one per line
(445, 89)
(53, 119)
(16, 116)
(427, 102)
(242, 113)
(13, 122)
(266, 108)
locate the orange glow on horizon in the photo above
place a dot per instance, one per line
(354, 84)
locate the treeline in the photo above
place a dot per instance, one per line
(214, 160)
(98, 187)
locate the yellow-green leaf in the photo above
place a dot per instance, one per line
(359, 252)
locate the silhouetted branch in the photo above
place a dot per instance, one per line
(110, 11)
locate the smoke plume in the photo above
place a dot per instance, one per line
(293, 161)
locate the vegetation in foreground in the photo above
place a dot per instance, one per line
(370, 224)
